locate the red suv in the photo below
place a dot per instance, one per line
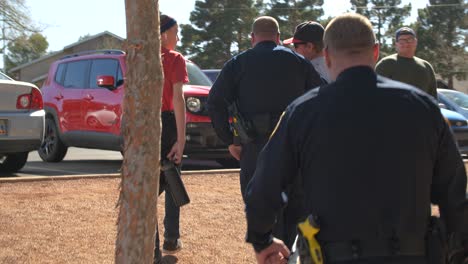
(82, 111)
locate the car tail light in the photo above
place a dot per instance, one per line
(32, 101)
(36, 100)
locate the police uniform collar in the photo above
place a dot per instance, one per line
(359, 74)
(266, 43)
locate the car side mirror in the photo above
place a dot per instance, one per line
(442, 105)
(106, 81)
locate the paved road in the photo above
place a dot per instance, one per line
(80, 161)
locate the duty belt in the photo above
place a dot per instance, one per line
(362, 249)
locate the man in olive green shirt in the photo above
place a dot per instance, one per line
(407, 68)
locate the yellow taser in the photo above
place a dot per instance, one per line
(308, 229)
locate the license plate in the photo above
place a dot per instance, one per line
(3, 127)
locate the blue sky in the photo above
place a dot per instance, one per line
(65, 21)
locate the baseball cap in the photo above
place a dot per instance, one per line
(309, 31)
(404, 31)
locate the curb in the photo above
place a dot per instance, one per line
(98, 176)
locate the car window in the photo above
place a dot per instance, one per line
(4, 77)
(108, 67)
(59, 74)
(120, 78)
(196, 76)
(212, 75)
(458, 98)
(75, 74)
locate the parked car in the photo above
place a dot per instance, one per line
(212, 73)
(83, 96)
(459, 126)
(453, 100)
(21, 122)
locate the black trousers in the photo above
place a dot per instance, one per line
(285, 228)
(248, 162)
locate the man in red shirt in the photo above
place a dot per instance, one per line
(173, 128)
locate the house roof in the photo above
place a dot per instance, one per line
(19, 67)
(92, 37)
(65, 48)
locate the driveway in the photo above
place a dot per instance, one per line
(79, 161)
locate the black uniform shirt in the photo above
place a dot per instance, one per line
(263, 79)
(372, 153)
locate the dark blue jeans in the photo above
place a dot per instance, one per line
(171, 222)
(172, 216)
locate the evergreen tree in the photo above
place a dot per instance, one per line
(290, 13)
(441, 29)
(25, 49)
(386, 16)
(219, 29)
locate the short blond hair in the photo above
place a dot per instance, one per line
(350, 33)
(265, 26)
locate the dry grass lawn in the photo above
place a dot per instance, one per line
(74, 221)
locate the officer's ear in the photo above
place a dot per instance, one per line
(326, 54)
(376, 49)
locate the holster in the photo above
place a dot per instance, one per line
(309, 249)
(241, 126)
(174, 183)
(436, 242)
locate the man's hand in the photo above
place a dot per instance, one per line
(277, 252)
(176, 153)
(235, 151)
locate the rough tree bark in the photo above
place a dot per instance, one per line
(141, 128)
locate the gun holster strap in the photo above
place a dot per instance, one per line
(361, 249)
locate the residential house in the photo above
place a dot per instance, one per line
(36, 70)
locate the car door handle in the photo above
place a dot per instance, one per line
(59, 97)
(89, 97)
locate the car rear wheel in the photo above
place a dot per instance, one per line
(52, 148)
(13, 162)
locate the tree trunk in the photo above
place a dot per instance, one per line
(141, 128)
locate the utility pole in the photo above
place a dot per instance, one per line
(141, 129)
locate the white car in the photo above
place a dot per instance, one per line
(22, 118)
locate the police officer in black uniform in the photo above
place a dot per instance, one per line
(263, 80)
(372, 153)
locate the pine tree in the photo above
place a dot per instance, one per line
(441, 30)
(386, 16)
(290, 13)
(219, 29)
